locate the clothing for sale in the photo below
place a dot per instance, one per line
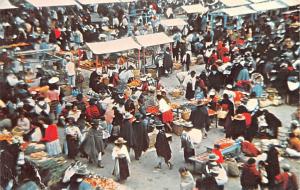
(249, 149)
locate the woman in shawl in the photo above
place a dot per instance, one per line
(162, 146)
(73, 136)
(121, 157)
(140, 135)
(93, 145)
(272, 165)
(126, 130)
(228, 106)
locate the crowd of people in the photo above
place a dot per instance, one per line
(240, 65)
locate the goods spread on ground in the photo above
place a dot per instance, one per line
(87, 64)
(202, 157)
(152, 109)
(102, 183)
(135, 83)
(6, 137)
(224, 143)
(175, 106)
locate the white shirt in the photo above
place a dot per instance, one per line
(70, 68)
(24, 124)
(74, 131)
(120, 151)
(190, 79)
(74, 114)
(163, 105)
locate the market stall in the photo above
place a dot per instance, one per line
(113, 46)
(5, 4)
(269, 5)
(88, 2)
(148, 42)
(229, 13)
(290, 3)
(52, 3)
(234, 3)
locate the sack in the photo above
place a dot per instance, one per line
(233, 169)
(222, 114)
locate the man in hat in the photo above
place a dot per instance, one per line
(250, 177)
(187, 144)
(162, 146)
(77, 182)
(217, 151)
(93, 145)
(200, 119)
(140, 136)
(287, 180)
(71, 71)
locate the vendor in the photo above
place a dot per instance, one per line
(187, 144)
(50, 137)
(165, 109)
(217, 151)
(294, 142)
(73, 136)
(95, 79)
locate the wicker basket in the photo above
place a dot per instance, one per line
(177, 66)
(137, 73)
(153, 72)
(186, 115)
(17, 131)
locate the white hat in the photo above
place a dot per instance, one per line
(284, 65)
(68, 57)
(229, 86)
(38, 66)
(53, 80)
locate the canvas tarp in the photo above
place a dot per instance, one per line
(153, 39)
(5, 4)
(113, 46)
(51, 3)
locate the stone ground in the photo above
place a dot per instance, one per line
(142, 172)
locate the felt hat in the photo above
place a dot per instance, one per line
(213, 157)
(53, 80)
(286, 167)
(158, 124)
(229, 86)
(239, 117)
(120, 140)
(128, 115)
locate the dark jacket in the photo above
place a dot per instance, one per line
(162, 146)
(167, 61)
(126, 132)
(250, 177)
(141, 136)
(199, 117)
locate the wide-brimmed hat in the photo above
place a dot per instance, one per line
(128, 115)
(53, 80)
(213, 157)
(286, 167)
(239, 117)
(158, 124)
(120, 140)
(95, 122)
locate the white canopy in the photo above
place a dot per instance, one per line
(197, 8)
(173, 22)
(113, 46)
(257, 1)
(153, 39)
(86, 2)
(51, 3)
(234, 3)
(291, 3)
(237, 11)
(269, 5)
(5, 4)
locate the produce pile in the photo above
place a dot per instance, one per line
(135, 83)
(152, 109)
(38, 155)
(87, 64)
(224, 143)
(6, 137)
(102, 183)
(202, 157)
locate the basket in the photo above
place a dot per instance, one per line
(17, 131)
(136, 73)
(177, 66)
(152, 72)
(186, 115)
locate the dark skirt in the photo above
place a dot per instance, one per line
(188, 152)
(124, 170)
(73, 145)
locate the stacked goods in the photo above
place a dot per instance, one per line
(177, 66)
(52, 170)
(283, 136)
(6, 137)
(225, 142)
(42, 89)
(102, 183)
(17, 131)
(186, 114)
(175, 106)
(34, 147)
(38, 155)
(135, 83)
(87, 64)
(176, 93)
(202, 157)
(136, 73)
(152, 109)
